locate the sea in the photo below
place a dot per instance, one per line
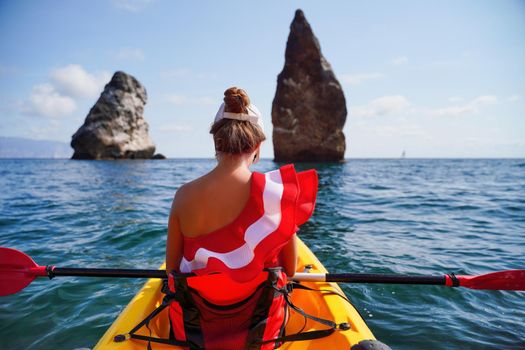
(408, 216)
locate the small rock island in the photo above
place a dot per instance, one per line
(115, 127)
(309, 107)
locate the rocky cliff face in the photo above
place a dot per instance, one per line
(309, 107)
(115, 127)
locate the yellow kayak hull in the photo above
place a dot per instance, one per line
(322, 305)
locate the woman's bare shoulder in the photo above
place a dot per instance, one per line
(189, 191)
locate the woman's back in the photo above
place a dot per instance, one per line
(234, 230)
(212, 201)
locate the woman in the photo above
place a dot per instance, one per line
(227, 227)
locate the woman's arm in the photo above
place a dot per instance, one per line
(288, 257)
(174, 242)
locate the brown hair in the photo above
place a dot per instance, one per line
(236, 136)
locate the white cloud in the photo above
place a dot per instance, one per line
(180, 100)
(454, 110)
(455, 99)
(514, 98)
(381, 106)
(397, 61)
(74, 80)
(46, 101)
(129, 54)
(132, 5)
(357, 79)
(484, 100)
(174, 128)
(471, 107)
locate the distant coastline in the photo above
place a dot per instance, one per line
(24, 148)
(19, 147)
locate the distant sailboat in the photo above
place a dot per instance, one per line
(404, 154)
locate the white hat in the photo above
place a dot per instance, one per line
(253, 116)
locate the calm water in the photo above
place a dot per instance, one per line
(403, 216)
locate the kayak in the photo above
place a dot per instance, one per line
(320, 304)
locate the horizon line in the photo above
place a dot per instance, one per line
(271, 159)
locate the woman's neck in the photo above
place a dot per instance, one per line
(228, 163)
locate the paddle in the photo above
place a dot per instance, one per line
(18, 270)
(500, 280)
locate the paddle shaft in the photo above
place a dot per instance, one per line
(83, 272)
(502, 280)
(370, 278)
(305, 277)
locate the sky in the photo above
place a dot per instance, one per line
(434, 79)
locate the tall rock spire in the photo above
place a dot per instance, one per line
(309, 107)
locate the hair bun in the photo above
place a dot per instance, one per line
(236, 100)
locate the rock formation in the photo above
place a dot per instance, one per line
(114, 127)
(159, 156)
(309, 108)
